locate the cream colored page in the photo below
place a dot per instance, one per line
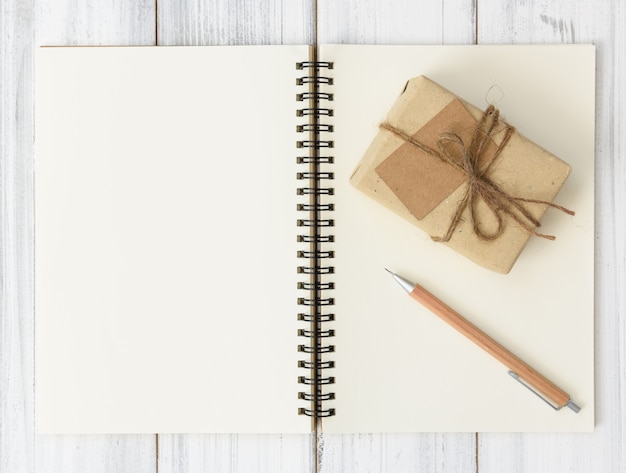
(166, 240)
(399, 368)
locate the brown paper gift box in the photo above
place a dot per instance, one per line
(426, 191)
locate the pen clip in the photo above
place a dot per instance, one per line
(516, 377)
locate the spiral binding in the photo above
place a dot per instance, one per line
(316, 218)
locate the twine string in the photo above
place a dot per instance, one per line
(480, 187)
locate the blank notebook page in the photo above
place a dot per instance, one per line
(400, 368)
(166, 245)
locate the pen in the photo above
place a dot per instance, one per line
(518, 369)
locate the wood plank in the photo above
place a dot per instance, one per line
(397, 453)
(542, 21)
(16, 237)
(110, 23)
(228, 22)
(60, 22)
(397, 22)
(181, 453)
(222, 22)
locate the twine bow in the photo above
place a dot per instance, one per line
(479, 185)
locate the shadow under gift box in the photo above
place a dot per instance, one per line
(427, 191)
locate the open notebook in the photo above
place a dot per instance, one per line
(173, 229)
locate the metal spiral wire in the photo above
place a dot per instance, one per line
(315, 222)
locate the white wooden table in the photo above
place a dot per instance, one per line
(25, 24)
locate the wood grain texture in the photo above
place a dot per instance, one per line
(102, 23)
(223, 22)
(235, 452)
(397, 22)
(16, 237)
(65, 22)
(397, 453)
(543, 21)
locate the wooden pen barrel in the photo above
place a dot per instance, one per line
(525, 372)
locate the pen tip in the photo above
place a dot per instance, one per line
(406, 285)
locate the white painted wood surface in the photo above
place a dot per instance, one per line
(17, 442)
(223, 22)
(24, 24)
(397, 22)
(601, 23)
